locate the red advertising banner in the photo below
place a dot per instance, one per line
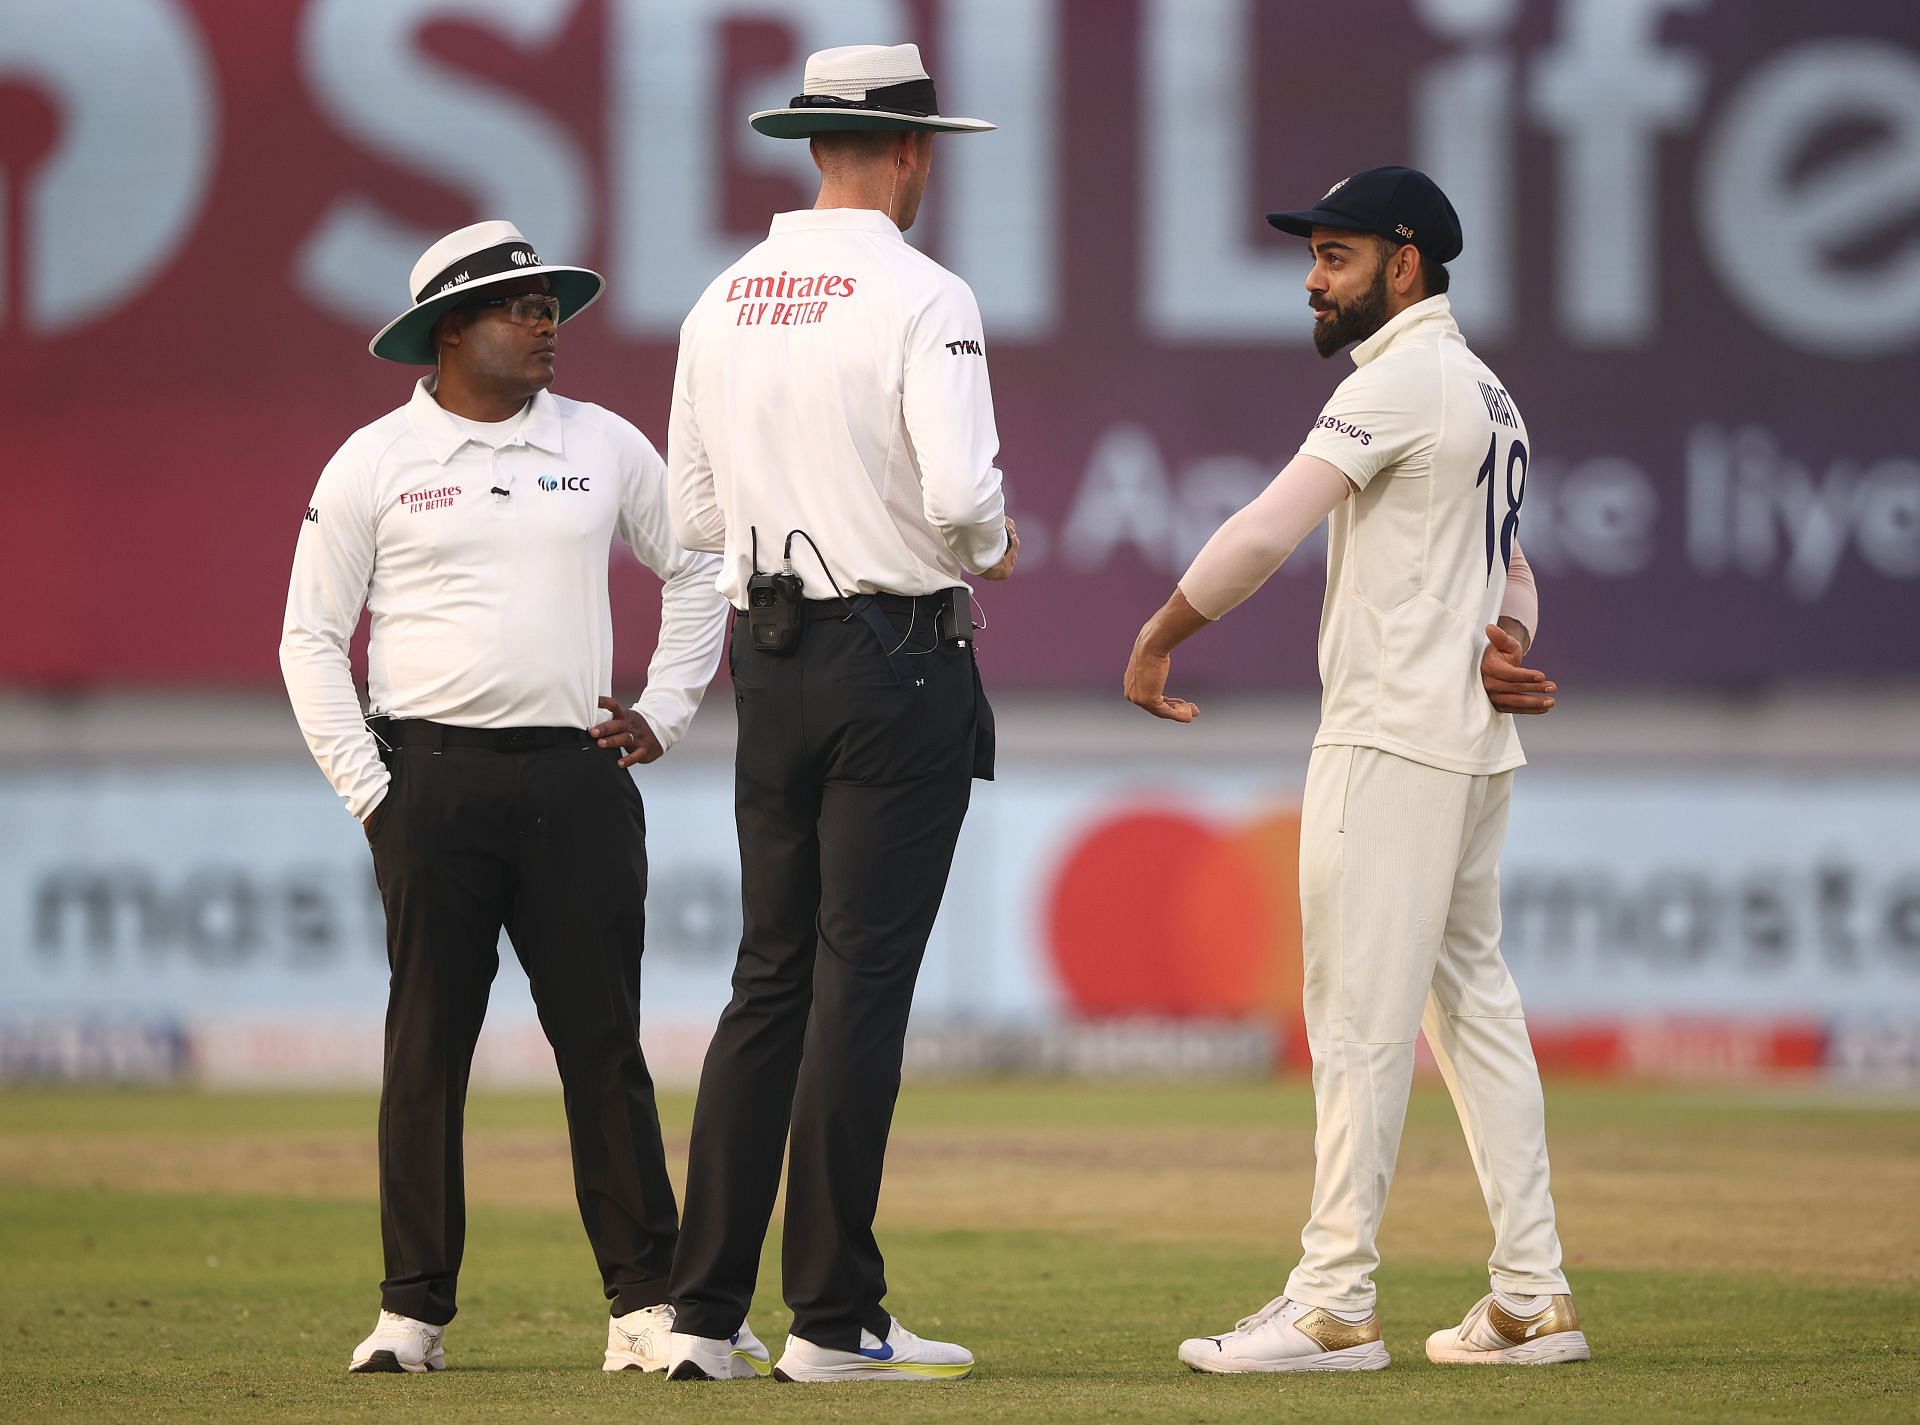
(1693, 255)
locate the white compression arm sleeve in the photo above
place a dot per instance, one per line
(1522, 599)
(1245, 551)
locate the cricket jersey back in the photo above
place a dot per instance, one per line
(834, 381)
(1417, 557)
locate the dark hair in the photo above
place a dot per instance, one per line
(1434, 274)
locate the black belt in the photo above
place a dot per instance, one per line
(906, 605)
(418, 732)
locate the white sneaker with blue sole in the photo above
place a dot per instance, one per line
(903, 1356)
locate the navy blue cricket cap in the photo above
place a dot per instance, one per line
(1394, 202)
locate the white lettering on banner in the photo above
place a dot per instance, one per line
(1607, 91)
(666, 160)
(1203, 278)
(1748, 508)
(161, 895)
(1600, 515)
(507, 155)
(1786, 224)
(996, 205)
(1776, 227)
(1128, 500)
(1463, 136)
(1754, 510)
(138, 130)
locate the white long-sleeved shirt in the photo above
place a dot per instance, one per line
(488, 609)
(834, 380)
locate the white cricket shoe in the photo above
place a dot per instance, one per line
(638, 1340)
(399, 1343)
(1286, 1335)
(902, 1356)
(1513, 1331)
(736, 1357)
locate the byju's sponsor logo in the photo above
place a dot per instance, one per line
(564, 482)
(1340, 427)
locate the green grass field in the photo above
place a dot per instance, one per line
(198, 1257)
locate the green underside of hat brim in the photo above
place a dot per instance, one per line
(408, 339)
(805, 123)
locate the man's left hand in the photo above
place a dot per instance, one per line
(626, 730)
(1511, 686)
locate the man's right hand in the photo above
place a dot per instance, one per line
(1005, 567)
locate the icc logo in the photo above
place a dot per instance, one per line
(522, 256)
(564, 482)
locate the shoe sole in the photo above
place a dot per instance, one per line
(386, 1363)
(827, 1375)
(628, 1363)
(1370, 1357)
(1561, 1348)
(687, 1370)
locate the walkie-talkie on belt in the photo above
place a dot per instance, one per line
(774, 605)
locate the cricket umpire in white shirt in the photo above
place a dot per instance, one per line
(832, 438)
(475, 523)
(1421, 460)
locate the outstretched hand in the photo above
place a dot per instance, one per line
(1146, 686)
(1511, 686)
(1152, 659)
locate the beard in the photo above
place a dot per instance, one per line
(1352, 321)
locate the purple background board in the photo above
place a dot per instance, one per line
(1693, 256)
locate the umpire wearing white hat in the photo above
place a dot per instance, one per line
(833, 440)
(475, 523)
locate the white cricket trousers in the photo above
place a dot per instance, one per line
(1400, 905)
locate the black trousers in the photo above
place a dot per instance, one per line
(551, 844)
(850, 788)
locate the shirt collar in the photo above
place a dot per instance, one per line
(825, 220)
(1433, 311)
(443, 437)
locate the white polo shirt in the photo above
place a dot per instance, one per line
(834, 380)
(481, 552)
(1417, 558)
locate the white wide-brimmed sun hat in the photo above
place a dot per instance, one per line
(448, 273)
(863, 87)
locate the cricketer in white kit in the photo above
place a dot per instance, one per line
(1420, 459)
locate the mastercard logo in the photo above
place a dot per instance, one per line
(1158, 912)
